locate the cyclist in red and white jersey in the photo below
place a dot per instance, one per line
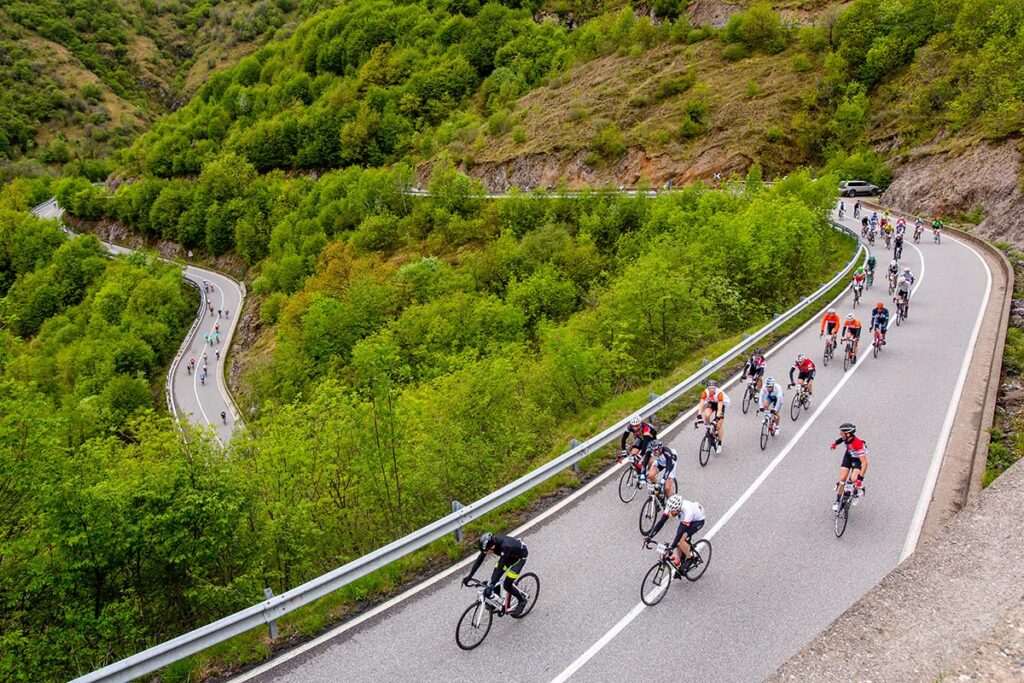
(714, 400)
(855, 460)
(805, 366)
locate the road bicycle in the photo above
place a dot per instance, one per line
(768, 427)
(749, 395)
(888, 239)
(659, 577)
(917, 234)
(876, 343)
(901, 310)
(475, 622)
(870, 279)
(654, 505)
(830, 349)
(801, 399)
(846, 501)
(897, 252)
(856, 294)
(936, 237)
(849, 357)
(631, 480)
(892, 283)
(710, 441)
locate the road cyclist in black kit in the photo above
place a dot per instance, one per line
(512, 555)
(643, 434)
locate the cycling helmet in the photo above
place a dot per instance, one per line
(758, 352)
(800, 358)
(849, 316)
(879, 305)
(486, 538)
(635, 420)
(657, 446)
(906, 270)
(831, 311)
(711, 383)
(894, 263)
(848, 428)
(769, 383)
(860, 271)
(675, 504)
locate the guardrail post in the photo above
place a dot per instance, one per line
(456, 506)
(651, 396)
(269, 593)
(573, 443)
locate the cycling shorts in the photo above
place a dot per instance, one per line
(713, 405)
(806, 375)
(854, 332)
(830, 327)
(692, 528)
(850, 462)
(755, 372)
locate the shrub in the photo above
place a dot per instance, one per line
(609, 142)
(735, 51)
(670, 86)
(519, 135)
(773, 135)
(801, 64)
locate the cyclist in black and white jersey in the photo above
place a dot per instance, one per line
(511, 554)
(664, 462)
(691, 520)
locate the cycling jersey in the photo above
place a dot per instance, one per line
(667, 462)
(830, 320)
(512, 555)
(853, 326)
(855, 450)
(772, 397)
(880, 319)
(859, 279)
(871, 262)
(903, 286)
(691, 519)
(643, 433)
(805, 368)
(714, 396)
(754, 366)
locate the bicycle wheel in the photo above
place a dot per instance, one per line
(748, 396)
(847, 356)
(627, 484)
(656, 582)
(794, 408)
(474, 626)
(764, 434)
(842, 515)
(899, 318)
(529, 584)
(702, 554)
(648, 515)
(705, 450)
(875, 346)
(825, 356)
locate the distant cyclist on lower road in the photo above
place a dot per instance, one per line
(855, 461)
(643, 434)
(691, 520)
(511, 554)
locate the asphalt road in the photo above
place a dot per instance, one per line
(778, 574)
(200, 402)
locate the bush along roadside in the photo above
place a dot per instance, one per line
(1007, 434)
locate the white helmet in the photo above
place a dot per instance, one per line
(769, 383)
(635, 419)
(894, 263)
(800, 358)
(831, 311)
(849, 316)
(675, 504)
(906, 270)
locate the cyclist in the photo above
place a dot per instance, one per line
(714, 400)
(897, 246)
(754, 367)
(874, 219)
(901, 225)
(869, 266)
(851, 330)
(903, 288)
(224, 417)
(880, 320)
(857, 284)
(918, 229)
(856, 209)
(864, 225)
(511, 554)
(937, 227)
(805, 367)
(842, 209)
(664, 462)
(771, 400)
(894, 271)
(691, 519)
(829, 323)
(855, 461)
(643, 434)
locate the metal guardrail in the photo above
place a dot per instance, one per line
(263, 613)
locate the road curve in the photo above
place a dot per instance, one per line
(778, 576)
(201, 402)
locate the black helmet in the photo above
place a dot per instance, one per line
(712, 382)
(657, 446)
(848, 428)
(486, 539)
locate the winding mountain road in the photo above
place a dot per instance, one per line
(778, 576)
(201, 402)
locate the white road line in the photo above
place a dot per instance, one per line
(568, 500)
(921, 511)
(635, 612)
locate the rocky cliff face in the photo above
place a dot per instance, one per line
(987, 177)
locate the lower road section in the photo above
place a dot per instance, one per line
(201, 397)
(778, 574)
